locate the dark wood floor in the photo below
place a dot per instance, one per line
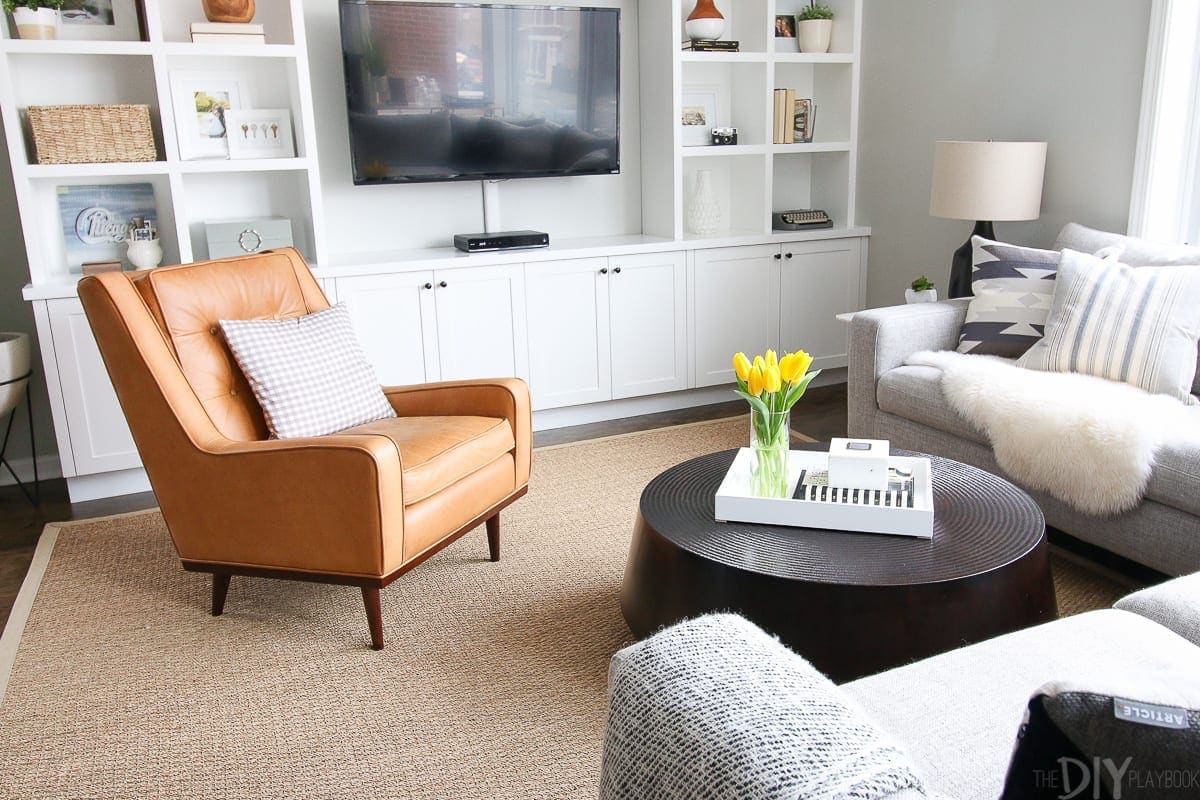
(821, 414)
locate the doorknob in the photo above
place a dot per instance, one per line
(442, 284)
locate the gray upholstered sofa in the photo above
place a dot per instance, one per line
(957, 714)
(904, 404)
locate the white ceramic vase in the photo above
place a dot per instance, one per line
(145, 255)
(37, 23)
(706, 28)
(14, 362)
(814, 35)
(704, 212)
(924, 296)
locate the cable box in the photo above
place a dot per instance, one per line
(503, 240)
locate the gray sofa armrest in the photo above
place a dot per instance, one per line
(882, 338)
(1175, 605)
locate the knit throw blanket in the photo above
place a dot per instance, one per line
(1086, 441)
(715, 708)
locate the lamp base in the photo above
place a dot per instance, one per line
(960, 265)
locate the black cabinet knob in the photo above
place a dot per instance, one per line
(617, 270)
(604, 270)
(442, 284)
(777, 257)
(428, 285)
(787, 255)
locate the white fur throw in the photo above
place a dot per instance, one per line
(1087, 441)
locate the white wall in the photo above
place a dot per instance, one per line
(1068, 72)
(365, 218)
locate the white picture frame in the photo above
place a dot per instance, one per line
(101, 20)
(700, 112)
(201, 100)
(260, 133)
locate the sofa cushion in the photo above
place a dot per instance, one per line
(436, 452)
(958, 714)
(1012, 288)
(1174, 605)
(915, 393)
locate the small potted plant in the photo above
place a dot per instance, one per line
(814, 28)
(922, 290)
(36, 19)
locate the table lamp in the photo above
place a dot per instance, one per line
(986, 182)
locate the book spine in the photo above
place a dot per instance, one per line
(777, 135)
(789, 129)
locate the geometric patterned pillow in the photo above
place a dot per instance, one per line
(308, 373)
(1139, 326)
(1013, 287)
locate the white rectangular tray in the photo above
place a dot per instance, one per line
(734, 503)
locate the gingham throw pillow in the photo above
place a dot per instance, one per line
(308, 373)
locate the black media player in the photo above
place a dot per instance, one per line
(503, 240)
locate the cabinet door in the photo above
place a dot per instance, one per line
(100, 438)
(481, 322)
(567, 306)
(819, 280)
(734, 293)
(393, 316)
(648, 313)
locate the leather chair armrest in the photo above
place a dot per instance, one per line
(506, 398)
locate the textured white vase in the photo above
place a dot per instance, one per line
(14, 362)
(145, 255)
(814, 35)
(704, 212)
(923, 296)
(37, 23)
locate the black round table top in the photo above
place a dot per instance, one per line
(981, 522)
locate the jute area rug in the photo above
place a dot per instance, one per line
(492, 684)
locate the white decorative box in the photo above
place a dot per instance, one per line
(859, 463)
(246, 236)
(897, 513)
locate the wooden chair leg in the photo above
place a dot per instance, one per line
(374, 616)
(493, 533)
(219, 590)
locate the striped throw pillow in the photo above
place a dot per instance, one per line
(1139, 326)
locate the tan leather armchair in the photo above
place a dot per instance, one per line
(360, 507)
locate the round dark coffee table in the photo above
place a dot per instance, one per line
(851, 603)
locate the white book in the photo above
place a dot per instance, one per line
(242, 38)
(228, 27)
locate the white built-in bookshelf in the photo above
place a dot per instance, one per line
(754, 177)
(187, 193)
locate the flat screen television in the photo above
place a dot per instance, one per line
(441, 92)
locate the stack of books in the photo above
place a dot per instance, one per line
(245, 32)
(793, 118)
(711, 45)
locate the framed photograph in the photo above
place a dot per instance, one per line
(201, 101)
(785, 34)
(802, 120)
(96, 219)
(260, 133)
(700, 112)
(112, 20)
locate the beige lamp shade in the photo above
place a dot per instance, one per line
(993, 181)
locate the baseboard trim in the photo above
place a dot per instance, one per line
(82, 488)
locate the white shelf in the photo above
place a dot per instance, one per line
(73, 47)
(709, 151)
(210, 165)
(812, 147)
(814, 58)
(116, 169)
(722, 57)
(229, 50)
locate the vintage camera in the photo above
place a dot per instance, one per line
(724, 135)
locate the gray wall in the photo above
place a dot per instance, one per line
(1068, 72)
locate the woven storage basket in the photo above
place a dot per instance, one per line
(92, 134)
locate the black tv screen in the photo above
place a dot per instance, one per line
(440, 92)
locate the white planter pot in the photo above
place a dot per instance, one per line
(814, 35)
(14, 362)
(37, 23)
(925, 296)
(145, 255)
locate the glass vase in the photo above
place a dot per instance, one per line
(769, 438)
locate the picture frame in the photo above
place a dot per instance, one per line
(803, 120)
(95, 219)
(201, 100)
(260, 133)
(785, 34)
(700, 112)
(103, 20)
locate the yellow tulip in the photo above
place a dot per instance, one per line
(800, 363)
(759, 364)
(754, 384)
(772, 380)
(791, 367)
(741, 366)
(772, 359)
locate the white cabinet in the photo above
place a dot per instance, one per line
(648, 323)
(481, 322)
(606, 328)
(567, 307)
(100, 439)
(734, 307)
(818, 281)
(393, 316)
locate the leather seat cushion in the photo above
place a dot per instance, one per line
(436, 452)
(915, 393)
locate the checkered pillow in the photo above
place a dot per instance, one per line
(308, 373)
